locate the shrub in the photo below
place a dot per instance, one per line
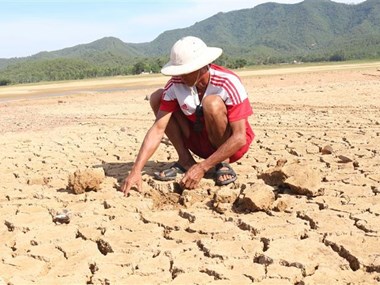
(4, 82)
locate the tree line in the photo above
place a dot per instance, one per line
(75, 69)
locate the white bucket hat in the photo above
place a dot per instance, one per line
(189, 54)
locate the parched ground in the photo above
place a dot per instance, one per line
(49, 235)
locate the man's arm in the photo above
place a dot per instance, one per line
(236, 141)
(149, 146)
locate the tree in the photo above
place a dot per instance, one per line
(239, 63)
(138, 67)
(4, 82)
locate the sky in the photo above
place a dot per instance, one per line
(29, 27)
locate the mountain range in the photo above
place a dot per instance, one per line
(313, 30)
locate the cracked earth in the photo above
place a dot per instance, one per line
(324, 119)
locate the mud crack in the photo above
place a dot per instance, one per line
(343, 252)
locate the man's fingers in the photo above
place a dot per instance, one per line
(128, 184)
(126, 188)
(126, 191)
(139, 186)
(188, 183)
(183, 182)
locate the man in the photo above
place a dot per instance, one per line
(203, 109)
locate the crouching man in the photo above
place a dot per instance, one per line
(203, 110)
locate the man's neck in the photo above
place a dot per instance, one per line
(203, 81)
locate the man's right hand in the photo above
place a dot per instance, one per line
(133, 179)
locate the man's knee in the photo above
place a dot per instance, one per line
(213, 104)
(155, 100)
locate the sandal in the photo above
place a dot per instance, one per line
(220, 171)
(170, 173)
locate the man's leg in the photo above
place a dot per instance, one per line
(215, 115)
(177, 129)
(216, 121)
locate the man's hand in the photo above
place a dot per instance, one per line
(133, 179)
(192, 177)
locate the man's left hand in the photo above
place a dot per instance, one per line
(192, 177)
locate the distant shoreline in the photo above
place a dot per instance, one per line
(44, 95)
(58, 89)
(127, 83)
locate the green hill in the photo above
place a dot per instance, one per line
(103, 51)
(316, 28)
(313, 30)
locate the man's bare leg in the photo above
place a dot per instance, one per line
(175, 131)
(215, 114)
(216, 121)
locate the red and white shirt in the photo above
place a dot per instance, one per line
(223, 83)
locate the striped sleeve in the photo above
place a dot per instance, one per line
(229, 87)
(169, 101)
(233, 92)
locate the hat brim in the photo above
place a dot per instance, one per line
(208, 56)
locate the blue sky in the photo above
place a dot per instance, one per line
(28, 27)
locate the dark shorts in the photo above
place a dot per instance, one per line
(200, 145)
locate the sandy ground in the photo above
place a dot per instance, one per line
(165, 236)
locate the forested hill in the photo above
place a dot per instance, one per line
(313, 30)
